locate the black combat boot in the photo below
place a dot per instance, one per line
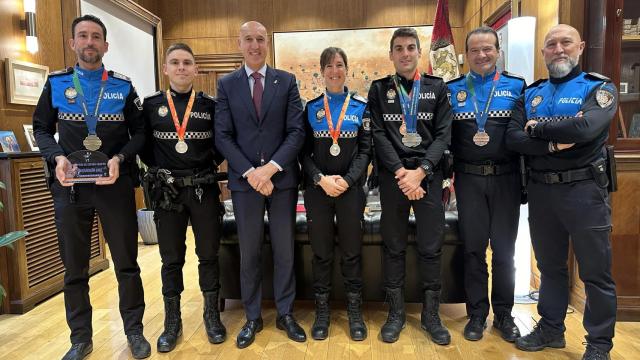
(397, 318)
(430, 319)
(504, 323)
(172, 324)
(357, 327)
(593, 353)
(216, 332)
(540, 338)
(320, 328)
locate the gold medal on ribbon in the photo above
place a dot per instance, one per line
(181, 146)
(92, 142)
(481, 138)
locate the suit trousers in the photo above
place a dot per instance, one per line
(115, 205)
(206, 220)
(249, 208)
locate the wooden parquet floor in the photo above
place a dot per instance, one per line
(43, 334)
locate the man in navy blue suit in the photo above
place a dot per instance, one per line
(259, 130)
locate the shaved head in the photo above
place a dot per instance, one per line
(253, 42)
(564, 29)
(562, 49)
(250, 26)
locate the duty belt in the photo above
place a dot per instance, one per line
(562, 177)
(486, 169)
(193, 177)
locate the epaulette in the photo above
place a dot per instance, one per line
(359, 98)
(315, 98)
(597, 76)
(206, 96)
(432, 76)
(159, 92)
(508, 74)
(536, 83)
(117, 75)
(61, 72)
(462, 76)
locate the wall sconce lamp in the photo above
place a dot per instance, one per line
(29, 24)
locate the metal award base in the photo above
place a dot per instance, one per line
(87, 167)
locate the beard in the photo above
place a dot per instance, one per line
(559, 70)
(90, 59)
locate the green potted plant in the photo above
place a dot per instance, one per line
(8, 240)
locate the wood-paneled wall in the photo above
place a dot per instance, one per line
(212, 27)
(12, 41)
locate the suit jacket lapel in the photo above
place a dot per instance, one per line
(271, 83)
(245, 93)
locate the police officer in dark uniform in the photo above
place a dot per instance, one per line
(94, 109)
(487, 182)
(411, 124)
(564, 131)
(335, 160)
(182, 181)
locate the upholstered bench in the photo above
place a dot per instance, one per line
(372, 271)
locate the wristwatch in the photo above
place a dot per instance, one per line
(426, 167)
(120, 157)
(317, 177)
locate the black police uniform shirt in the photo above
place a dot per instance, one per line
(354, 139)
(554, 104)
(508, 89)
(160, 150)
(120, 123)
(433, 124)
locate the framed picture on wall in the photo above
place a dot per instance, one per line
(28, 133)
(8, 142)
(25, 81)
(367, 53)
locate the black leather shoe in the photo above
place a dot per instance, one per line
(593, 353)
(139, 346)
(539, 339)
(79, 351)
(506, 326)
(474, 328)
(289, 324)
(248, 333)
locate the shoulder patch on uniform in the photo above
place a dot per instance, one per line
(429, 76)
(117, 75)
(61, 72)
(598, 76)
(359, 98)
(462, 76)
(315, 98)
(206, 96)
(604, 97)
(537, 83)
(159, 92)
(513, 75)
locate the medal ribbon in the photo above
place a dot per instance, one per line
(481, 117)
(181, 129)
(409, 107)
(327, 110)
(90, 119)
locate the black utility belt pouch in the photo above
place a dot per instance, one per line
(447, 165)
(611, 169)
(599, 172)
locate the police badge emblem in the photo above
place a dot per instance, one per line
(366, 124)
(536, 100)
(391, 94)
(70, 93)
(163, 111)
(604, 98)
(461, 96)
(320, 115)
